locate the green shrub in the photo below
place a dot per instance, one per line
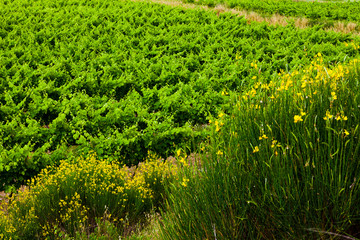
(87, 197)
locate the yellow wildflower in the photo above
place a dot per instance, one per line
(341, 116)
(297, 118)
(263, 137)
(182, 160)
(256, 149)
(253, 92)
(328, 115)
(184, 182)
(333, 94)
(217, 126)
(224, 93)
(253, 64)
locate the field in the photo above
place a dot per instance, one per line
(143, 120)
(317, 11)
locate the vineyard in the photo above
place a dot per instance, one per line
(314, 10)
(91, 89)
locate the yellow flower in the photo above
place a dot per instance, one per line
(256, 149)
(346, 132)
(253, 78)
(263, 137)
(219, 153)
(273, 143)
(224, 93)
(178, 152)
(341, 116)
(333, 94)
(184, 182)
(217, 126)
(328, 115)
(253, 92)
(297, 118)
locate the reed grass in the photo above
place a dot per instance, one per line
(283, 163)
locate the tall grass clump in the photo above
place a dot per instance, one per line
(87, 198)
(282, 164)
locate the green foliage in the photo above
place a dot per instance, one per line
(121, 78)
(283, 163)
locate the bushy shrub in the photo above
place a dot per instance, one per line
(87, 197)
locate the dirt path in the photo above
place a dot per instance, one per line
(275, 19)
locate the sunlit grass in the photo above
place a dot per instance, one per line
(283, 162)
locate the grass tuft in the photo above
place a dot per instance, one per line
(282, 162)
